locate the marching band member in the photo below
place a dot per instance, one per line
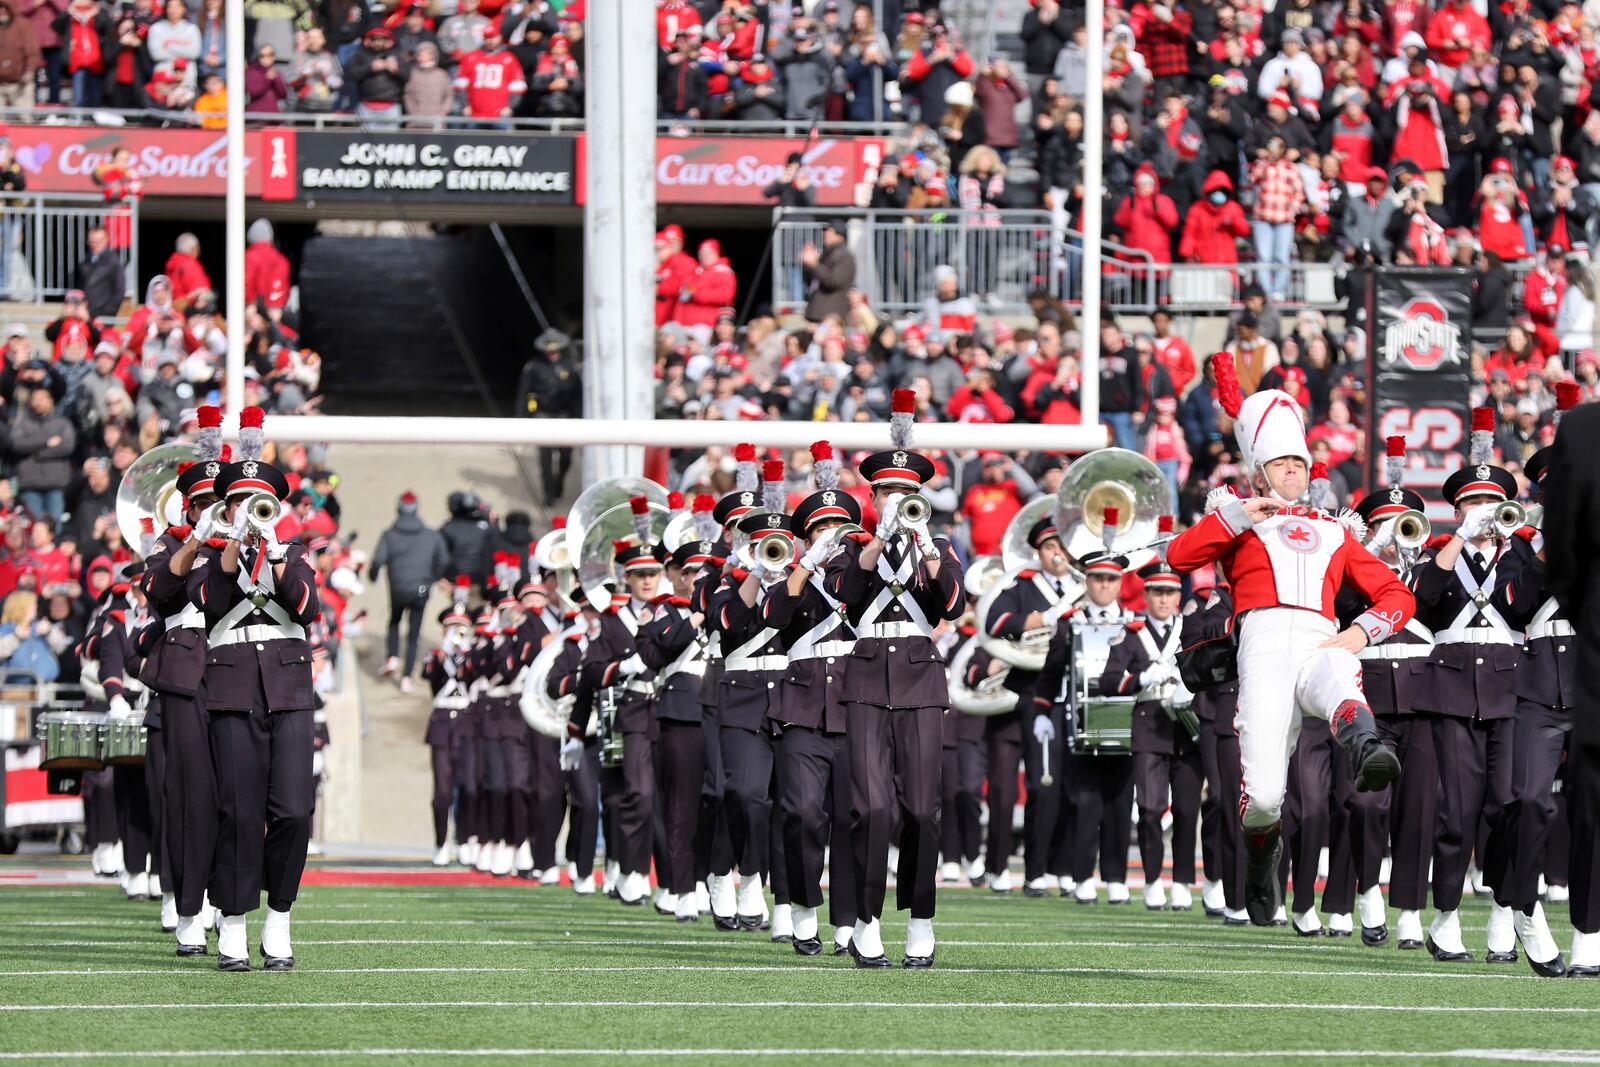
(1166, 758)
(445, 672)
(502, 747)
(580, 753)
(961, 781)
(808, 708)
(258, 597)
(467, 756)
(1286, 562)
(536, 858)
(895, 585)
(119, 665)
(1034, 601)
(1461, 591)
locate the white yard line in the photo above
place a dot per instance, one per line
(845, 1005)
(1583, 1056)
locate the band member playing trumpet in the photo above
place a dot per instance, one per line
(1286, 563)
(896, 586)
(445, 672)
(258, 597)
(580, 753)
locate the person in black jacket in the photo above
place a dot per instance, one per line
(1046, 29)
(102, 275)
(416, 557)
(469, 537)
(378, 73)
(681, 80)
(551, 387)
(1490, 300)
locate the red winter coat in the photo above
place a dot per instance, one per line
(1499, 231)
(1209, 231)
(705, 294)
(266, 275)
(1453, 21)
(1147, 223)
(187, 275)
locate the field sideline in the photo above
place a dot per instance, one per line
(441, 973)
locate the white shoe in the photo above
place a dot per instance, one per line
(1236, 916)
(1280, 917)
(483, 858)
(782, 922)
(613, 878)
(169, 912)
(1557, 894)
(100, 859)
(724, 896)
(1341, 923)
(1501, 933)
(702, 899)
(443, 857)
(1374, 913)
(313, 848)
(275, 935)
(1041, 885)
(232, 940)
(523, 860)
(666, 901)
(628, 889)
(975, 870)
(1002, 882)
(1408, 927)
(1116, 893)
(138, 887)
(1086, 893)
(919, 938)
(751, 900)
(390, 666)
(1182, 898)
(1534, 933)
(1444, 933)
(407, 684)
(686, 910)
(584, 886)
(1308, 923)
(1213, 897)
(500, 865)
(1067, 884)
(155, 886)
(1585, 952)
(804, 923)
(1155, 897)
(842, 935)
(868, 938)
(950, 871)
(116, 865)
(550, 876)
(468, 853)
(191, 931)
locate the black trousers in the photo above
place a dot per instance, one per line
(405, 603)
(155, 781)
(1583, 803)
(1156, 776)
(747, 759)
(682, 757)
(442, 761)
(1474, 760)
(518, 757)
(493, 784)
(583, 809)
(1230, 838)
(960, 802)
(816, 811)
(630, 793)
(554, 463)
(546, 798)
(1210, 806)
(1402, 817)
(1518, 840)
(1047, 809)
(189, 798)
(464, 767)
(1102, 788)
(264, 795)
(713, 847)
(1319, 779)
(895, 767)
(132, 799)
(99, 809)
(1005, 758)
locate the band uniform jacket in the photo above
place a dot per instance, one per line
(119, 662)
(1049, 688)
(177, 659)
(445, 672)
(494, 663)
(896, 671)
(1008, 617)
(753, 661)
(1549, 646)
(1466, 679)
(1154, 730)
(817, 639)
(280, 667)
(1214, 705)
(671, 646)
(566, 679)
(710, 682)
(618, 640)
(1394, 672)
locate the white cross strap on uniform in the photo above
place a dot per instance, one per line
(229, 632)
(690, 661)
(1545, 623)
(819, 640)
(1163, 653)
(190, 618)
(894, 579)
(1461, 631)
(746, 658)
(1392, 649)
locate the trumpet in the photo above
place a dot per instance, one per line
(263, 509)
(1509, 517)
(911, 509)
(1411, 530)
(775, 550)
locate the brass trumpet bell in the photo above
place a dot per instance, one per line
(1412, 529)
(1509, 517)
(264, 509)
(775, 550)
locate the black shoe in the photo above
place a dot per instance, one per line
(918, 963)
(841, 950)
(169, 929)
(783, 939)
(1556, 968)
(1032, 891)
(867, 962)
(1215, 913)
(1583, 971)
(1379, 767)
(231, 963)
(753, 922)
(725, 923)
(1330, 932)
(1408, 945)
(688, 918)
(193, 950)
(1263, 892)
(1318, 932)
(664, 911)
(278, 963)
(1231, 920)
(1279, 922)
(1501, 957)
(807, 946)
(1446, 957)
(1374, 936)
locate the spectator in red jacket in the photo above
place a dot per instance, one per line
(1542, 291)
(1214, 224)
(266, 270)
(668, 284)
(185, 270)
(1453, 32)
(1148, 217)
(1501, 207)
(977, 401)
(1172, 352)
(710, 289)
(991, 502)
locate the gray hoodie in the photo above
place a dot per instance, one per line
(415, 555)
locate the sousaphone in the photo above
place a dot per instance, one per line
(1111, 478)
(601, 515)
(149, 490)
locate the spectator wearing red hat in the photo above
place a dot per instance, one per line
(1148, 217)
(557, 81)
(1501, 207)
(707, 291)
(490, 79)
(1562, 209)
(376, 74)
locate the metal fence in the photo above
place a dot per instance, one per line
(44, 236)
(1002, 257)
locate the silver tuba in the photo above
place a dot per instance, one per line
(544, 714)
(552, 554)
(149, 490)
(1028, 652)
(1111, 478)
(601, 515)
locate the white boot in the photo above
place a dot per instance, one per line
(782, 922)
(155, 886)
(1408, 929)
(702, 897)
(169, 912)
(232, 941)
(1155, 897)
(1308, 924)
(613, 878)
(1280, 917)
(138, 886)
(1341, 923)
(1543, 952)
(666, 901)
(1182, 898)
(629, 888)
(468, 854)
(686, 911)
(191, 934)
(1068, 884)
(1374, 914)
(1557, 894)
(1501, 935)
(1235, 917)
(483, 861)
(443, 857)
(275, 945)
(974, 870)
(208, 914)
(500, 865)
(1086, 893)
(550, 876)
(584, 886)
(116, 864)
(868, 938)
(724, 899)
(751, 901)
(950, 871)
(1585, 956)
(1116, 893)
(523, 860)
(1444, 936)
(1002, 882)
(919, 941)
(100, 859)
(1213, 897)
(843, 934)
(805, 923)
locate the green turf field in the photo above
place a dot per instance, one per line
(436, 975)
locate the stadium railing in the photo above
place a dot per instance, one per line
(44, 235)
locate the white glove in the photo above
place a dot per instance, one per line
(1382, 537)
(276, 553)
(818, 555)
(1479, 521)
(240, 531)
(120, 708)
(889, 521)
(205, 527)
(571, 754)
(1154, 675)
(925, 543)
(1044, 731)
(632, 665)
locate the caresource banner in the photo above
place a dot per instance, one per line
(734, 170)
(1421, 377)
(62, 159)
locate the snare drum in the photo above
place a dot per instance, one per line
(1103, 726)
(124, 741)
(70, 740)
